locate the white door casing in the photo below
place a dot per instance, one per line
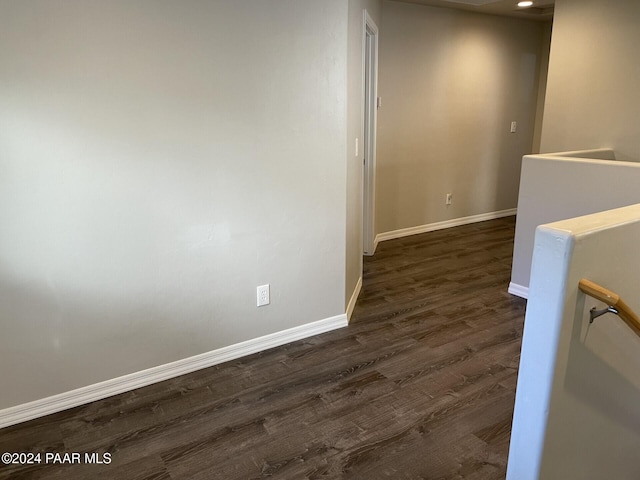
(369, 120)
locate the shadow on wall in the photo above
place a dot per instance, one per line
(549, 192)
(591, 377)
(55, 347)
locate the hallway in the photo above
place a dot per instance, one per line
(420, 385)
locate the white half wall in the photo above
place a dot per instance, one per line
(577, 411)
(565, 185)
(158, 161)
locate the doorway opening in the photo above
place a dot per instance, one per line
(369, 115)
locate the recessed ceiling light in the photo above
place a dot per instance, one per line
(525, 4)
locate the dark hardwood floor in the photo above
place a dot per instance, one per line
(421, 385)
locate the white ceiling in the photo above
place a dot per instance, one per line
(541, 9)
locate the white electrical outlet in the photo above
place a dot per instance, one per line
(514, 127)
(449, 199)
(263, 295)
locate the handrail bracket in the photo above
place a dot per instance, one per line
(614, 304)
(594, 313)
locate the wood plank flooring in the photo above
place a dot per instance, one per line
(421, 385)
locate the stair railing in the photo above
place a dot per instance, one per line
(614, 304)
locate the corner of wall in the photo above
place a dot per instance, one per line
(354, 298)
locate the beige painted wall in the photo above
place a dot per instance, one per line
(593, 99)
(451, 82)
(543, 70)
(158, 161)
(355, 130)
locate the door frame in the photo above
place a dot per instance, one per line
(369, 124)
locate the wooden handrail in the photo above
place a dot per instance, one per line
(612, 300)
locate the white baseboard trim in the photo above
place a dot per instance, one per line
(431, 227)
(518, 290)
(354, 298)
(108, 388)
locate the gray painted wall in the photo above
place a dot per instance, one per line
(545, 48)
(355, 130)
(451, 82)
(592, 101)
(158, 161)
(592, 96)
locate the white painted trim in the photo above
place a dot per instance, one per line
(376, 240)
(99, 391)
(518, 290)
(456, 222)
(369, 124)
(352, 303)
